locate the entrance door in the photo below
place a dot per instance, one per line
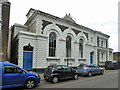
(27, 60)
(91, 59)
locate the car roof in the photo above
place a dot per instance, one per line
(89, 64)
(111, 61)
(56, 65)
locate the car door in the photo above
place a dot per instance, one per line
(66, 72)
(12, 76)
(92, 68)
(97, 69)
(59, 71)
(1, 74)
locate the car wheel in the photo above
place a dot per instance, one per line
(89, 74)
(102, 72)
(55, 79)
(75, 76)
(30, 83)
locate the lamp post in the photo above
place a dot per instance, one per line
(67, 61)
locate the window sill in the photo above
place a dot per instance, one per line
(52, 58)
(82, 59)
(69, 58)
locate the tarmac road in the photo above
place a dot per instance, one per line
(108, 80)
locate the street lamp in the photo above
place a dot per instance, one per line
(67, 61)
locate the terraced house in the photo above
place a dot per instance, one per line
(47, 40)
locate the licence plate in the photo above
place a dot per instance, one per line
(81, 69)
(46, 77)
(108, 66)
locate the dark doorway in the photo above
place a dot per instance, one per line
(91, 57)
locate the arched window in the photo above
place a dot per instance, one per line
(68, 46)
(52, 44)
(81, 48)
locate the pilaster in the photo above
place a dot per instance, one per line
(39, 26)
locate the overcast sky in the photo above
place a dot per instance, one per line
(100, 15)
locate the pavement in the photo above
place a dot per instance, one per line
(108, 80)
(41, 76)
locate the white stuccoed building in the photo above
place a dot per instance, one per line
(47, 40)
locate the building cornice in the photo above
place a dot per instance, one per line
(19, 25)
(61, 19)
(32, 34)
(103, 48)
(5, 2)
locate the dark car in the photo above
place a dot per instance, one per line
(111, 65)
(118, 64)
(89, 69)
(59, 72)
(13, 76)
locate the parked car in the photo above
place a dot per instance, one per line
(59, 72)
(111, 65)
(118, 64)
(76, 68)
(14, 76)
(89, 69)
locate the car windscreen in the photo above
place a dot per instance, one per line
(50, 68)
(108, 62)
(82, 65)
(74, 67)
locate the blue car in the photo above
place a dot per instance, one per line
(112, 65)
(89, 69)
(13, 76)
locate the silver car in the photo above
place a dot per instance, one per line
(89, 69)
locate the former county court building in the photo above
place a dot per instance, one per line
(45, 40)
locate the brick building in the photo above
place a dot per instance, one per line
(116, 56)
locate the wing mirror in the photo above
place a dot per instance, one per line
(20, 71)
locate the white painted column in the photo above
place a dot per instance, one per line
(95, 56)
(76, 53)
(108, 54)
(20, 53)
(39, 25)
(62, 51)
(112, 56)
